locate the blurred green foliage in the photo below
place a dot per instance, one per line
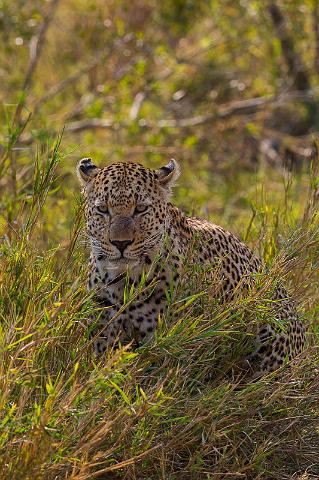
(144, 81)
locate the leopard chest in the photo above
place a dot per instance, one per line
(127, 312)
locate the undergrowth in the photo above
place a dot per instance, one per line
(172, 409)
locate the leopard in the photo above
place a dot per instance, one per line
(139, 241)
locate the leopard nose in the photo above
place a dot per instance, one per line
(121, 245)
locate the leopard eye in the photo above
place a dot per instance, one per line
(103, 209)
(140, 209)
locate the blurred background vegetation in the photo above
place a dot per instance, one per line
(228, 88)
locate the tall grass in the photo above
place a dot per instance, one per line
(173, 409)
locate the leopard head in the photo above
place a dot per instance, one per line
(126, 208)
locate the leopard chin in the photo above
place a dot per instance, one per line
(123, 262)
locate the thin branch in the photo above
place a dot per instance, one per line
(35, 53)
(240, 107)
(67, 82)
(90, 124)
(137, 105)
(74, 77)
(300, 146)
(38, 45)
(86, 101)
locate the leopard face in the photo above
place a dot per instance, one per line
(125, 209)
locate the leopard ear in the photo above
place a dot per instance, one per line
(168, 175)
(86, 170)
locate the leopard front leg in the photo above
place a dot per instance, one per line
(108, 332)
